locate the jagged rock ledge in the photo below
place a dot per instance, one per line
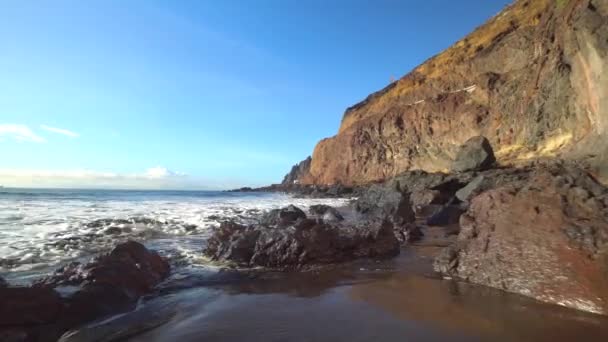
(79, 293)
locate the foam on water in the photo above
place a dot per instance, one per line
(40, 229)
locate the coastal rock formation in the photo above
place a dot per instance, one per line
(282, 217)
(475, 154)
(532, 80)
(387, 202)
(544, 236)
(326, 213)
(107, 285)
(305, 242)
(29, 306)
(297, 171)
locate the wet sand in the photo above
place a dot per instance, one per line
(399, 299)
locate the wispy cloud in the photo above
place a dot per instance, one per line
(21, 133)
(160, 172)
(155, 177)
(60, 131)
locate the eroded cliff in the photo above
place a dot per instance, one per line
(532, 80)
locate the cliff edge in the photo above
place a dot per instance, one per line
(532, 80)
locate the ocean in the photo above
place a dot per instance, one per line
(41, 229)
(363, 300)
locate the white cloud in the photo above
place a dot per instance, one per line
(60, 131)
(20, 133)
(160, 172)
(153, 178)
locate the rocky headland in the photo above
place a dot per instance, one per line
(501, 140)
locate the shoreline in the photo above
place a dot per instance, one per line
(393, 243)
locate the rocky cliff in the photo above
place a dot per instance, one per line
(532, 80)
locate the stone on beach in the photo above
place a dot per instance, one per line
(106, 285)
(475, 154)
(302, 243)
(545, 237)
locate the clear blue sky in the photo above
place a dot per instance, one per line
(198, 93)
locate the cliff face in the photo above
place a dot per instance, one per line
(533, 80)
(297, 172)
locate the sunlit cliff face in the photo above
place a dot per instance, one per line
(531, 80)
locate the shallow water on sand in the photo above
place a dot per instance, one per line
(391, 300)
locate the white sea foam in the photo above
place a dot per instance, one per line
(38, 232)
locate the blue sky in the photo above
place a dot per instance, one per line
(197, 94)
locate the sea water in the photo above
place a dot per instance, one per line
(40, 229)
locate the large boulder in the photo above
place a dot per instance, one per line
(29, 306)
(305, 243)
(106, 285)
(326, 212)
(129, 266)
(283, 216)
(386, 202)
(545, 237)
(475, 154)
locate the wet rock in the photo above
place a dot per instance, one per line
(305, 243)
(109, 284)
(545, 236)
(129, 266)
(23, 306)
(475, 154)
(326, 212)
(446, 215)
(283, 216)
(385, 202)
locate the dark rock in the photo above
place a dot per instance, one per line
(327, 213)
(305, 243)
(129, 266)
(3, 283)
(232, 241)
(384, 202)
(23, 306)
(475, 154)
(408, 233)
(543, 236)
(108, 284)
(283, 216)
(447, 215)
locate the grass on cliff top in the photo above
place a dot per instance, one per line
(561, 3)
(523, 13)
